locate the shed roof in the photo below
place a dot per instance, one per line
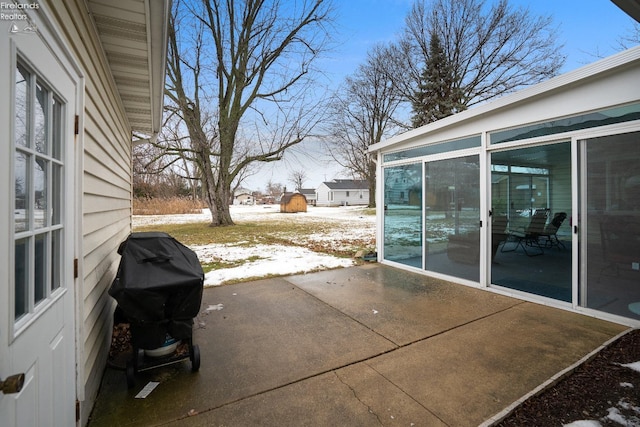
(286, 197)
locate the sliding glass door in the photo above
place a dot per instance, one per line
(531, 219)
(403, 214)
(610, 224)
(452, 217)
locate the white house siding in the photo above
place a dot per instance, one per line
(327, 196)
(106, 192)
(323, 194)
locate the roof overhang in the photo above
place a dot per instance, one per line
(134, 35)
(630, 7)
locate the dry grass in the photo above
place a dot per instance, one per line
(175, 205)
(286, 233)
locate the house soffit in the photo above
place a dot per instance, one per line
(133, 34)
(630, 7)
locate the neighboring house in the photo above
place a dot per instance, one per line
(77, 78)
(310, 195)
(293, 203)
(343, 192)
(243, 198)
(534, 195)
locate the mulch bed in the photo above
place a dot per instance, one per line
(600, 390)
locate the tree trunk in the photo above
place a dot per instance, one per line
(216, 192)
(371, 180)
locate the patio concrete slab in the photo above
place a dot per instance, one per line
(466, 375)
(266, 335)
(356, 346)
(402, 306)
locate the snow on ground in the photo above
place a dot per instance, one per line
(349, 224)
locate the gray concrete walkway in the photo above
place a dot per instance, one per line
(362, 346)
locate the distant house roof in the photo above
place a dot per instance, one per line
(347, 184)
(308, 191)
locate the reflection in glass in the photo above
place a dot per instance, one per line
(21, 277)
(582, 121)
(403, 214)
(452, 217)
(21, 123)
(56, 129)
(40, 113)
(40, 193)
(531, 220)
(56, 251)
(21, 186)
(40, 273)
(611, 224)
(56, 193)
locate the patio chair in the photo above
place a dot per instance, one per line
(550, 231)
(499, 232)
(529, 237)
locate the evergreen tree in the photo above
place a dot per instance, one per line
(437, 95)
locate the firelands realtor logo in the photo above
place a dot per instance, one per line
(15, 12)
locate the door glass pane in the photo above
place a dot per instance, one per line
(531, 220)
(40, 193)
(403, 214)
(611, 224)
(56, 129)
(21, 276)
(56, 251)
(452, 217)
(21, 122)
(21, 188)
(40, 272)
(40, 113)
(56, 193)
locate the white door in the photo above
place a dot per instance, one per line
(36, 229)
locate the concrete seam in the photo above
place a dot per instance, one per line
(346, 315)
(397, 347)
(407, 394)
(355, 394)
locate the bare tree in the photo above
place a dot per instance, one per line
(250, 63)
(297, 178)
(363, 114)
(274, 189)
(493, 49)
(630, 38)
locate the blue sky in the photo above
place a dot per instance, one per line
(589, 29)
(585, 27)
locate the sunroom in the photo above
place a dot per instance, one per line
(535, 195)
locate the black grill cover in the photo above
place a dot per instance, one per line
(158, 287)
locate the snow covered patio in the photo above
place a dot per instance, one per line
(356, 346)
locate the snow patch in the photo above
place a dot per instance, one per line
(273, 260)
(583, 423)
(266, 260)
(635, 366)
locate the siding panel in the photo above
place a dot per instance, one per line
(106, 201)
